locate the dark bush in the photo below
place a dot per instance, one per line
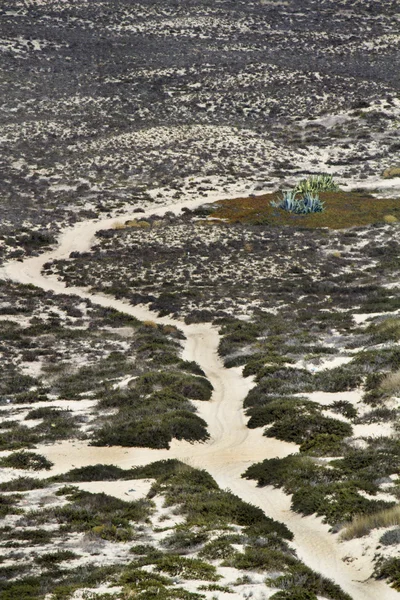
(26, 460)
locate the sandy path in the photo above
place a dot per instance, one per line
(232, 447)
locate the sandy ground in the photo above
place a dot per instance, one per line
(232, 447)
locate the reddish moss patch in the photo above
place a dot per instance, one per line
(342, 209)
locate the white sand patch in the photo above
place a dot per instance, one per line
(373, 430)
(326, 398)
(128, 490)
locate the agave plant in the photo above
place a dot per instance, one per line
(312, 203)
(287, 202)
(317, 183)
(309, 203)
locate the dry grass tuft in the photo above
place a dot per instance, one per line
(363, 524)
(137, 224)
(151, 324)
(391, 383)
(118, 225)
(390, 219)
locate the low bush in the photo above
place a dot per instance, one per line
(26, 460)
(295, 593)
(387, 330)
(277, 410)
(182, 540)
(103, 516)
(22, 484)
(204, 504)
(154, 431)
(53, 558)
(391, 537)
(339, 379)
(93, 473)
(301, 578)
(336, 502)
(290, 472)
(219, 549)
(324, 444)
(18, 437)
(187, 568)
(261, 559)
(389, 568)
(343, 407)
(302, 428)
(33, 537)
(9, 504)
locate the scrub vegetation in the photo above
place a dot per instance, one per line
(193, 550)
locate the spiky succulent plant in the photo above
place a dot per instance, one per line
(317, 183)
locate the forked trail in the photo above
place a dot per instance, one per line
(232, 446)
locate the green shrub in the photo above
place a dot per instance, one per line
(26, 460)
(290, 472)
(389, 568)
(261, 559)
(323, 444)
(53, 558)
(18, 437)
(295, 593)
(345, 408)
(308, 426)
(22, 484)
(339, 379)
(184, 539)
(8, 504)
(301, 577)
(277, 410)
(219, 549)
(391, 537)
(336, 502)
(187, 568)
(93, 473)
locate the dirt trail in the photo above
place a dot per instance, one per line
(232, 447)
